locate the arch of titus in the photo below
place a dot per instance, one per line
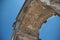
(30, 18)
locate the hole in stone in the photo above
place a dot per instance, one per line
(50, 29)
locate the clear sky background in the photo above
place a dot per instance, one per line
(51, 29)
(9, 9)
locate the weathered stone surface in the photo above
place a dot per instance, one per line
(29, 20)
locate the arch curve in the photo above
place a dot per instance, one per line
(29, 20)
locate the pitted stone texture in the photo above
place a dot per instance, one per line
(29, 20)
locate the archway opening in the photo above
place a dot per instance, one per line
(50, 29)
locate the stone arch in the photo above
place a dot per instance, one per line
(30, 18)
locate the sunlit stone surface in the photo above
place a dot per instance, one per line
(29, 20)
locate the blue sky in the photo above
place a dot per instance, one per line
(51, 29)
(9, 11)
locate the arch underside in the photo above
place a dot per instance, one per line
(29, 20)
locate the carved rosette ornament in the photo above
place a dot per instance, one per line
(30, 18)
